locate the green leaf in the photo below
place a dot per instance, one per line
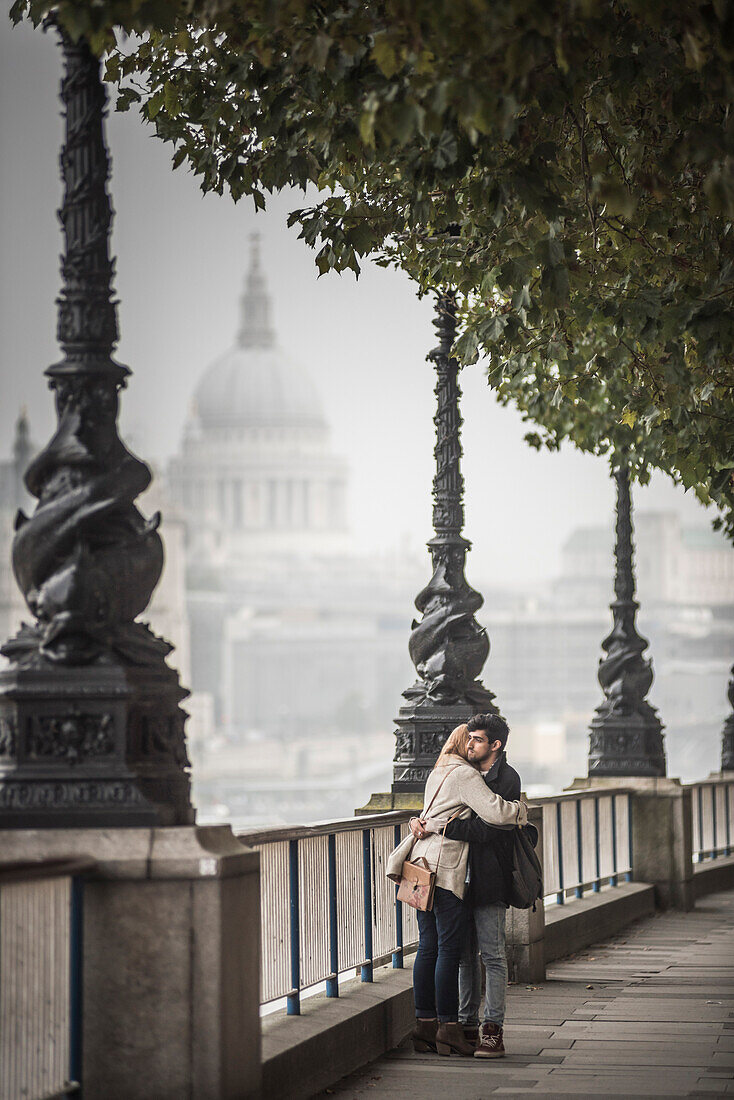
(446, 150)
(367, 120)
(466, 347)
(385, 55)
(170, 99)
(155, 103)
(616, 198)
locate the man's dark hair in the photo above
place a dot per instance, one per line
(493, 725)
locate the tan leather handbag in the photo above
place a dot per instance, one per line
(417, 885)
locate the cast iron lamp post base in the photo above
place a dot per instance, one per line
(626, 733)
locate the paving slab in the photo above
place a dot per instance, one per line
(658, 1022)
(638, 1058)
(629, 1031)
(640, 1048)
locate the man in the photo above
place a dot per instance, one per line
(489, 873)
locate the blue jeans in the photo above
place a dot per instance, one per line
(443, 932)
(486, 938)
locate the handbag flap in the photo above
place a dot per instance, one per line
(413, 873)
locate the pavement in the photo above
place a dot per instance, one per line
(647, 1013)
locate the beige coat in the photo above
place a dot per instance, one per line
(462, 790)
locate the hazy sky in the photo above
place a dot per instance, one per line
(181, 258)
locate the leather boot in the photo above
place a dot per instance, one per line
(490, 1042)
(424, 1036)
(450, 1040)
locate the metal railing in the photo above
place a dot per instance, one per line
(587, 841)
(40, 979)
(712, 808)
(327, 906)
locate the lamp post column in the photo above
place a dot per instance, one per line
(626, 732)
(91, 731)
(447, 646)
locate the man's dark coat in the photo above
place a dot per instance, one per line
(490, 847)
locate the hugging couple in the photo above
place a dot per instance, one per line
(475, 791)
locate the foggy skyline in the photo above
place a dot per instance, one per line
(181, 261)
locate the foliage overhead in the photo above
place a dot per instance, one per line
(567, 168)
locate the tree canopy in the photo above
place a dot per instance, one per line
(566, 168)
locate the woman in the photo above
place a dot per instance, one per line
(454, 788)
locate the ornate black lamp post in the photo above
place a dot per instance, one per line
(727, 736)
(91, 731)
(448, 647)
(626, 734)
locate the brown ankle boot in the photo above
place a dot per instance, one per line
(450, 1040)
(424, 1036)
(490, 1042)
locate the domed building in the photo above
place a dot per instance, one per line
(290, 627)
(256, 474)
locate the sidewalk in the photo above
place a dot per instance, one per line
(647, 1013)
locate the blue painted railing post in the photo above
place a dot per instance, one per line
(597, 853)
(727, 818)
(613, 876)
(630, 841)
(332, 982)
(579, 891)
(699, 796)
(560, 896)
(367, 879)
(294, 997)
(714, 838)
(397, 955)
(76, 954)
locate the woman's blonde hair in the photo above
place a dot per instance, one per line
(457, 744)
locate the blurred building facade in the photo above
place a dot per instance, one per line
(546, 648)
(294, 632)
(676, 565)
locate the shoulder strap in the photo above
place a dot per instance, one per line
(427, 809)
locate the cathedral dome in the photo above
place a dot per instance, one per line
(257, 387)
(255, 383)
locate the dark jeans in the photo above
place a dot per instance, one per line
(436, 970)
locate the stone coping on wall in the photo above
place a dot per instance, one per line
(190, 852)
